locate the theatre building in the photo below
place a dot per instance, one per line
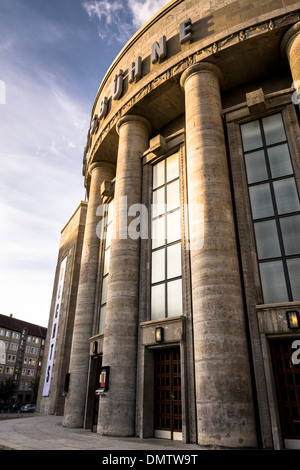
(176, 301)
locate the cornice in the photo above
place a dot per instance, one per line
(132, 41)
(195, 57)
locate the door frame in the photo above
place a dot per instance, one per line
(277, 437)
(286, 443)
(161, 433)
(95, 398)
(145, 392)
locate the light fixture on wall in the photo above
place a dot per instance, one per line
(293, 319)
(95, 347)
(159, 333)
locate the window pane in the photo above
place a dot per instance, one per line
(274, 129)
(267, 239)
(173, 227)
(108, 235)
(173, 195)
(110, 212)
(286, 196)
(294, 273)
(158, 174)
(106, 262)
(158, 265)
(102, 320)
(158, 206)
(104, 290)
(256, 166)
(158, 232)
(251, 136)
(172, 167)
(158, 302)
(280, 161)
(261, 201)
(174, 260)
(273, 282)
(174, 298)
(290, 227)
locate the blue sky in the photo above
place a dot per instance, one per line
(53, 56)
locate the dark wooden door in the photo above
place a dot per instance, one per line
(98, 364)
(287, 380)
(167, 386)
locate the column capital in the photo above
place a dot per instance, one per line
(133, 118)
(201, 67)
(100, 164)
(288, 36)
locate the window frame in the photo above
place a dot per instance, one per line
(165, 281)
(276, 217)
(108, 219)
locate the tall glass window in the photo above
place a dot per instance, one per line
(275, 207)
(107, 242)
(166, 269)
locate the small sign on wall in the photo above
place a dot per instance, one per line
(103, 381)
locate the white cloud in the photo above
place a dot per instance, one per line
(117, 20)
(2, 92)
(103, 9)
(43, 131)
(42, 134)
(37, 198)
(143, 10)
(111, 21)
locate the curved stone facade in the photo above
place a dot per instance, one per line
(214, 28)
(194, 134)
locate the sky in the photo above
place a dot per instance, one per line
(53, 57)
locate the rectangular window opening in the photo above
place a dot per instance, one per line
(166, 263)
(107, 234)
(275, 207)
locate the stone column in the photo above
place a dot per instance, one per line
(290, 47)
(84, 315)
(117, 406)
(225, 414)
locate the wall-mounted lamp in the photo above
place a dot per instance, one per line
(293, 319)
(159, 334)
(95, 347)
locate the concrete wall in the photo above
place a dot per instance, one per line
(70, 246)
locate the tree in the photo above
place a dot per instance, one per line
(34, 385)
(7, 389)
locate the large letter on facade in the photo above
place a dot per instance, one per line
(159, 50)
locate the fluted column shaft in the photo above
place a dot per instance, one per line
(117, 407)
(223, 384)
(85, 307)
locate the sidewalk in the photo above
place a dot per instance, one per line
(47, 433)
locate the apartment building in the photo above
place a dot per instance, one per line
(21, 355)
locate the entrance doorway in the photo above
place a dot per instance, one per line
(98, 364)
(167, 394)
(287, 382)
